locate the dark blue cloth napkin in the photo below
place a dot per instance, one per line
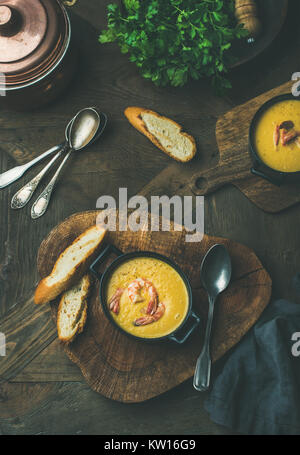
(256, 388)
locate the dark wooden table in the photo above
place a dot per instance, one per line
(46, 392)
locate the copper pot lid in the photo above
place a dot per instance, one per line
(32, 35)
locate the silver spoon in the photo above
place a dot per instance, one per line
(83, 131)
(23, 196)
(8, 177)
(215, 277)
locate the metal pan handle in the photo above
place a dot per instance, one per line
(106, 252)
(273, 180)
(194, 322)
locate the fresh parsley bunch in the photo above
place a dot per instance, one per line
(174, 40)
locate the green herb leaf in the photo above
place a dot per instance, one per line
(174, 40)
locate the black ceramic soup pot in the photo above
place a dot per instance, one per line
(259, 168)
(191, 320)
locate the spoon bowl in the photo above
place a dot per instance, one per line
(86, 128)
(83, 129)
(216, 270)
(23, 196)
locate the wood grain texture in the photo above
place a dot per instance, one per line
(28, 330)
(232, 132)
(18, 399)
(73, 408)
(124, 158)
(51, 365)
(123, 369)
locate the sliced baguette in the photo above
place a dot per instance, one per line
(71, 265)
(72, 310)
(166, 134)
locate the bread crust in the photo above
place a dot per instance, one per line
(80, 326)
(82, 320)
(133, 114)
(82, 314)
(45, 293)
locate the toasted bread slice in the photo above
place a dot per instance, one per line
(166, 134)
(71, 265)
(72, 310)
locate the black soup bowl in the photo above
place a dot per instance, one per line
(260, 168)
(191, 320)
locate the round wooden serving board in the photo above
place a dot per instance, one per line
(129, 371)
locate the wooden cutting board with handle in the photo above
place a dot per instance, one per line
(130, 371)
(234, 166)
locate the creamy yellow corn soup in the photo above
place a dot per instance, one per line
(171, 291)
(285, 158)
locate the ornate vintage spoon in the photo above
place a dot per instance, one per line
(215, 277)
(83, 132)
(23, 196)
(8, 177)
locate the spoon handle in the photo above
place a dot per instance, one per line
(23, 196)
(10, 176)
(203, 366)
(41, 204)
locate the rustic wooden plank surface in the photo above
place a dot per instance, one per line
(128, 160)
(51, 365)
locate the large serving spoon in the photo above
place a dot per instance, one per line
(215, 277)
(83, 131)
